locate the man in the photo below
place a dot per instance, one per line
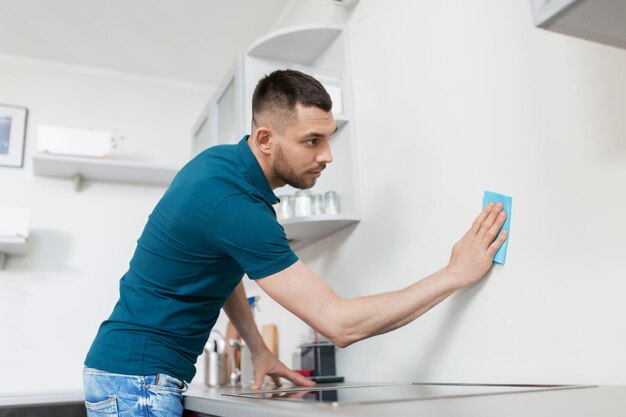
(215, 223)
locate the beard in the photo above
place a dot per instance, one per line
(285, 172)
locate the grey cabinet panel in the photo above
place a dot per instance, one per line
(601, 21)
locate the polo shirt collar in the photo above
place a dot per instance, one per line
(255, 173)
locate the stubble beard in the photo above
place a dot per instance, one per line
(283, 171)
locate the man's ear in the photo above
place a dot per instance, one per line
(262, 138)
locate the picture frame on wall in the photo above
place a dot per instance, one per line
(12, 135)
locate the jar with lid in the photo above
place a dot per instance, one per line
(302, 203)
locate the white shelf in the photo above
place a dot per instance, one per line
(13, 245)
(302, 231)
(303, 45)
(115, 170)
(13, 232)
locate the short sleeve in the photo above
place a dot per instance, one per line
(245, 228)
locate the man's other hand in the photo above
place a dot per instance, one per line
(266, 363)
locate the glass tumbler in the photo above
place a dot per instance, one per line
(331, 202)
(317, 204)
(285, 209)
(302, 203)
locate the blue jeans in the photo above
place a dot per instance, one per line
(116, 395)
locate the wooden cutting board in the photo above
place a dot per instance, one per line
(270, 337)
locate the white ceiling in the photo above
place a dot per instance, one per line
(190, 40)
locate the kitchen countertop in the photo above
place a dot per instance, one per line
(41, 398)
(601, 401)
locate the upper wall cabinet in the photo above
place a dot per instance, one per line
(596, 20)
(321, 52)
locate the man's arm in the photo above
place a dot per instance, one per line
(238, 311)
(265, 362)
(344, 322)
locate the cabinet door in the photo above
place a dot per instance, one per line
(221, 120)
(202, 135)
(227, 115)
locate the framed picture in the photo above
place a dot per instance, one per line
(12, 135)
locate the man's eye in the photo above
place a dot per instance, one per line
(313, 142)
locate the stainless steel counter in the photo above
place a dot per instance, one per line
(603, 401)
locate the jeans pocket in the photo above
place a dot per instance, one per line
(105, 408)
(165, 382)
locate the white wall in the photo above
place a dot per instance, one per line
(453, 98)
(53, 300)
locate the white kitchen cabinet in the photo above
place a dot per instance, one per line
(596, 20)
(222, 120)
(322, 52)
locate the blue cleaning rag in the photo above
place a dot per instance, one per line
(507, 201)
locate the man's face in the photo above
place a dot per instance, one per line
(302, 150)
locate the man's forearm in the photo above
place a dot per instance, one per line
(364, 317)
(238, 311)
(343, 321)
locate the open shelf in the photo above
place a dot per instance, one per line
(322, 52)
(13, 245)
(115, 170)
(302, 231)
(341, 120)
(14, 225)
(303, 46)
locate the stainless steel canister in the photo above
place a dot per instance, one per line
(215, 369)
(215, 362)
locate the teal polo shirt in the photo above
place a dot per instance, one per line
(214, 223)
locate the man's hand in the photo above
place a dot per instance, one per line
(265, 363)
(472, 256)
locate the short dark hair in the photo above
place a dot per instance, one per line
(284, 89)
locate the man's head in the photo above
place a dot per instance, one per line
(291, 125)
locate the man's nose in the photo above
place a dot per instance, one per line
(325, 156)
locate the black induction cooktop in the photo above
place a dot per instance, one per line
(348, 394)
